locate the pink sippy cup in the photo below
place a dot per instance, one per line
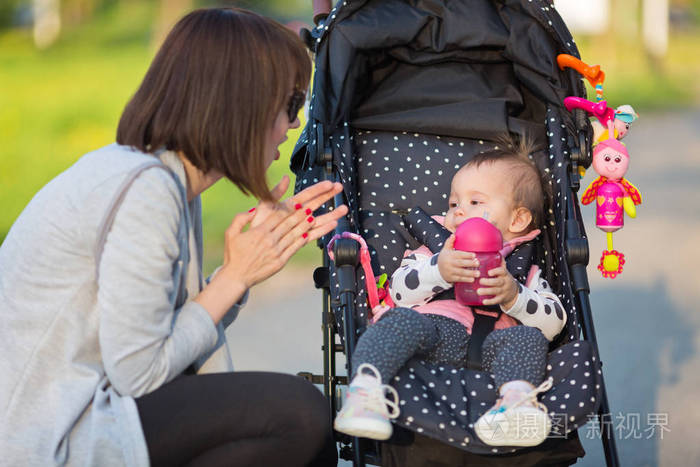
(482, 238)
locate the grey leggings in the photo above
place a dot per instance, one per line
(515, 353)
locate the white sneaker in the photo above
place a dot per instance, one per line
(522, 423)
(366, 413)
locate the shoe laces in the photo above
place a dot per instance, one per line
(532, 395)
(376, 395)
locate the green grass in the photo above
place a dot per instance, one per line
(58, 104)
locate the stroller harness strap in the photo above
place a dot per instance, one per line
(482, 327)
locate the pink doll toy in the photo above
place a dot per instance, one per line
(613, 195)
(621, 118)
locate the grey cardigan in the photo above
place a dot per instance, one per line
(80, 339)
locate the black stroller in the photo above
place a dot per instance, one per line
(405, 92)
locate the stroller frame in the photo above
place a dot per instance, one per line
(347, 253)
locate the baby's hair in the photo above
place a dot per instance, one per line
(524, 176)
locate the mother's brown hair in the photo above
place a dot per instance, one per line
(213, 91)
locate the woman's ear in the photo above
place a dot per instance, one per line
(521, 220)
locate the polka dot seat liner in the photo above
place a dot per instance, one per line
(386, 174)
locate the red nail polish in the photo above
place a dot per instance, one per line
(251, 209)
(308, 211)
(304, 235)
(310, 219)
(297, 206)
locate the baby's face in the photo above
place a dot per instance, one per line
(479, 190)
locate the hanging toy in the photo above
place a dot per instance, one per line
(593, 74)
(613, 196)
(623, 116)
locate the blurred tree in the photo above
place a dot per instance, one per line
(48, 18)
(655, 29)
(685, 14)
(169, 12)
(282, 10)
(47, 22)
(78, 11)
(172, 10)
(8, 9)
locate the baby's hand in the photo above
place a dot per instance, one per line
(454, 264)
(501, 285)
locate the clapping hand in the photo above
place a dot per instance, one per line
(276, 231)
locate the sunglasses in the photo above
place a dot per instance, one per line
(296, 102)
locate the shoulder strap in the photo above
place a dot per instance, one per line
(113, 207)
(426, 230)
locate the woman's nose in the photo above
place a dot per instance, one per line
(295, 124)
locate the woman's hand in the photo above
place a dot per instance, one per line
(265, 208)
(501, 285)
(253, 255)
(456, 265)
(281, 230)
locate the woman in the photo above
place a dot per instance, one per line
(105, 315)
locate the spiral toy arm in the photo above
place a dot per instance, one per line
(593, 74)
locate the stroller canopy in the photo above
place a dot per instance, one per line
(475, 68)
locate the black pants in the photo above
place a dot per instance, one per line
(237, 419)
(515, 353)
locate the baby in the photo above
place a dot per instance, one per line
(503, 186)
